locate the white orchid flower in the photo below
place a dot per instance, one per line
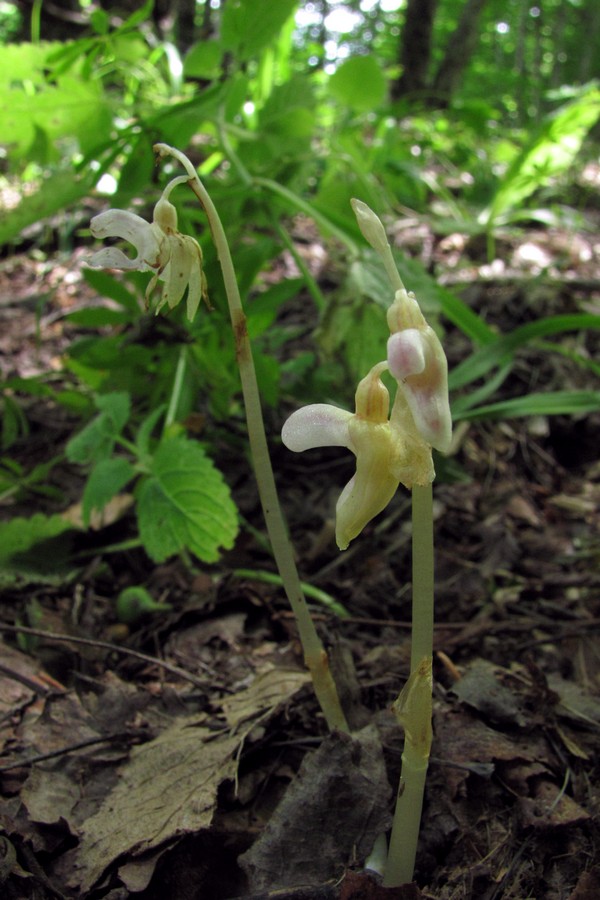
(175, 259)
(386, 453)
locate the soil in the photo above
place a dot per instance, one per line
(184, 756)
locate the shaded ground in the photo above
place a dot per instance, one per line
(148, 775)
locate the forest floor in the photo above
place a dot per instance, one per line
(144, 761)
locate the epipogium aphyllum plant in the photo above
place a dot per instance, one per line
(394, 448)
(390, 448)
(176, 261)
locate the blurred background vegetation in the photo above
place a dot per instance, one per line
(463, 123)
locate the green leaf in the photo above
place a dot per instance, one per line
(98, 317)
(553, 403)
(145, 430)
(203, 60)
(100, 21)
(357, 332)
(97, 439)
(25, 62)
(34, 550)
(56, 193)
(139, 16)
(548, 155)
(137, 172)
(106, 479)
(112, 288)
(502, 349)
(184, 504)
(263, 308)
(359, 83)
(71, 109)
(247, 28)
(14, 422)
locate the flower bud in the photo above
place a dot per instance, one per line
(165, 216)
(370, 226)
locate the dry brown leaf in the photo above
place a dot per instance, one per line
(114, 510)
(167, 789)
(270, 688)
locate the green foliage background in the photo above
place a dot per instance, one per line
(288, 109)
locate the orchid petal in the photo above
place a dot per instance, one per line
(432, 417)
(113, 258)
(378, 453)
(194, 290)
(317, 425)
(125, 225)
(418, 362)
(180, 265)
(197, 288)
(118, 223)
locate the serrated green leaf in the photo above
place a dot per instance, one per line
(72, 108)
(106, 479)
(25, 62)
(184, 504)
(34, 550)
(97, 439)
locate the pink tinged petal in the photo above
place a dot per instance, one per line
(317, 425)
(406, 353)
(426, 389)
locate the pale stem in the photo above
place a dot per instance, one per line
(314, 652)
(417, 715)
(400, 863)
(422, 574)
(393, 274)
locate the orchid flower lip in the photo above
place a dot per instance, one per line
(317, 425)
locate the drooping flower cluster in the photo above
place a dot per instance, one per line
(174, 258)
(390, 449)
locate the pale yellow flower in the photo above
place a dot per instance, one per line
(386, 453)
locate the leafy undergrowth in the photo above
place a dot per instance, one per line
(184, 756)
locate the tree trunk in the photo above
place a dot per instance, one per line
(458, 51)
(415, 49)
